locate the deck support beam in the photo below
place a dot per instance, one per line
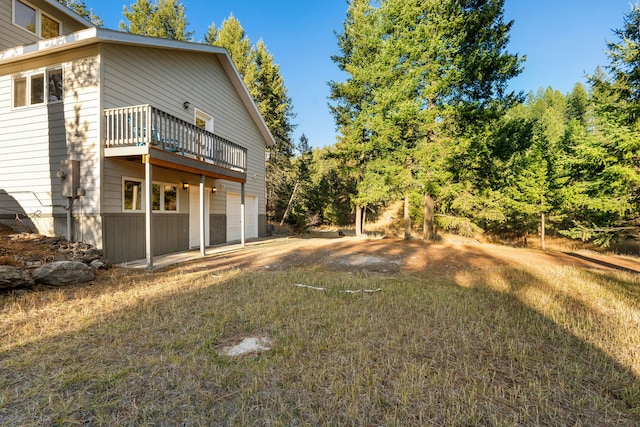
(202, 217)
(242, 215)
(148, 192)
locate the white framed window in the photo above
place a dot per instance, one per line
(132, 194)
(203, 120)
(164, 197)
(38, 87)
(34, 20)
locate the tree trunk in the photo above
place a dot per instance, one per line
(407, 219)
(428, 227)
(364, 219)
(286, 211)
(358, 220)
(542, 227)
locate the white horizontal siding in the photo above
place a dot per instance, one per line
(34, 140)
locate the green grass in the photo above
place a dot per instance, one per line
(501, 346)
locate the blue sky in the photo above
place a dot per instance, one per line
(562, 39)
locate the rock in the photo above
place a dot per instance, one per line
(14, 277)
(250, 345)
(97, 264)
(89, 255)
(63, 273)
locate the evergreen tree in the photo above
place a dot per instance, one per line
(602, 160)
(164, 19)
(358, 43)
(423, 74)
(80, 7)
(265, 83)
(232, 37)
(624, 67)
(577, 104)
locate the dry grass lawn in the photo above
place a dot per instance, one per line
(460, 335)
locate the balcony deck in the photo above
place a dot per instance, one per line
(168, 141)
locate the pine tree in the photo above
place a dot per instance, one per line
(422, 73)
(602, 161)
(265, 83)
(232, 37)
(80, 7)
(164, 19)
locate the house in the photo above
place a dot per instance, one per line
(138, 145)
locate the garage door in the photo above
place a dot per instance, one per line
(233, 217)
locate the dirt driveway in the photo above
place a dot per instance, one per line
(395, 256)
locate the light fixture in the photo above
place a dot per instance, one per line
(214, 190)
(185, 185)
(186, 105)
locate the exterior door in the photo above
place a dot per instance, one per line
(233, 217)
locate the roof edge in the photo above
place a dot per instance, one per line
(70, 13)
(102, 35)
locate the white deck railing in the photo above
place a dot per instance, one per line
(146, 125)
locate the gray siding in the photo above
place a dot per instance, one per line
(12, 35)
(262, 225)
(134, 76)
(124, 235)
(218, 229)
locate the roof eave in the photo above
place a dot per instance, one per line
(97, 35)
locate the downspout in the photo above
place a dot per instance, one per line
(69, 218)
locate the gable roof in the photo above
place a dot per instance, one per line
(94, 35)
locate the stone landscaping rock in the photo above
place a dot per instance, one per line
(43, 259)
(97, 264)
(14, 277)
(61, 273)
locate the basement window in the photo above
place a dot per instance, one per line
(132, 195)
(165, 197)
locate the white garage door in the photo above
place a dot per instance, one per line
(233, 217)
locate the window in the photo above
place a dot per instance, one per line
(203, 120)
(34, 21)
(170, 198)
(19, 91)
(164, 196)
(132, 195)
(38, 87)
(55, 85)
(50, 28)
(25, 16)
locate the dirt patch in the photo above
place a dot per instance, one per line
(393, 256)
(350, 254)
